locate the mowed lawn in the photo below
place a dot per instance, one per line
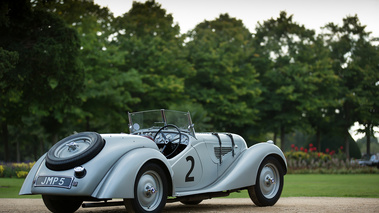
(356, 185)
(325, 185)
(297, 185)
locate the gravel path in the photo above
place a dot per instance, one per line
(291, 204)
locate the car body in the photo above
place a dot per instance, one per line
(369, 161)
(162, 160)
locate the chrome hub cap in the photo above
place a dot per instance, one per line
(268, 181)
(73, 147)
(149, 190)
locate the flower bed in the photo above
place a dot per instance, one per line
(19, 170)
(310, 161)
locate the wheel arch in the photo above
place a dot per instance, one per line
(281, 161)
(167, 173)
(117, 182)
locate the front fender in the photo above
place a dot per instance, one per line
(120, 179)
(244, 172)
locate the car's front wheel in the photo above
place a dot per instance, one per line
(150, 190)
(269, 184)
(61, 204)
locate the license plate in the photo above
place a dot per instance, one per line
(54, 181)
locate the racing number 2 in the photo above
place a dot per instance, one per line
(188, 178)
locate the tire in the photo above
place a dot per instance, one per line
(59, 204)
(74, 150)
(192, 202)
(150, 190)
(269, 183)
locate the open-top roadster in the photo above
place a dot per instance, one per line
(161, 160)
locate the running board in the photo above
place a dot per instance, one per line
(102, 204)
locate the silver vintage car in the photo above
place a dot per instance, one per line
(161, 160)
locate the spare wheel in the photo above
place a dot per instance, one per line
(74, 150)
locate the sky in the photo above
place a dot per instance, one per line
(313, 14)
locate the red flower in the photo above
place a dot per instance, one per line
(341, 147)
(310, 145)
(332, 152)
(301, 148)
(305, 150)
(327, 150)
(319, 154)
(296, 148)
(292, 146)
(314, 149)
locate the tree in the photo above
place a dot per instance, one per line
(226, 82)
(322, 95)
(356, 63)
(365, 60)
(10, 95)
(47, 75)
(106, 96)
(297, 77)
(152, 47)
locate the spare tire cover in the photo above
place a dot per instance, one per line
(74, 150)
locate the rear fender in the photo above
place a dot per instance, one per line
(120, 179)
(26, 188)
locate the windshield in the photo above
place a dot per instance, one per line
(155, 119)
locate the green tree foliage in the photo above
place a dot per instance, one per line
(47, 75)
(10, 96)
(297, 80)
(321, 88)
(106, 97)
(70, 65)
(226, 83)
(151, 46)
(356, 63)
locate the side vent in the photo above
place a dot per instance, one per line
(224, 151)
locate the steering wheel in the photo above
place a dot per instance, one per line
(168, 141)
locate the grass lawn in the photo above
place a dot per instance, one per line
(322, 185)
(295, 185)
(10, 187)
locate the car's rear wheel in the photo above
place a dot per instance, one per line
(150, 190)
(74, 150)
(60, 204)
(269, 183)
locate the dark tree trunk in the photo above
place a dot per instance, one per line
(318, 139)
(18, 156)
(282, 137)
(4, 135)
(87, 123)
(368, 138)
(275, 135)
(347, 145)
